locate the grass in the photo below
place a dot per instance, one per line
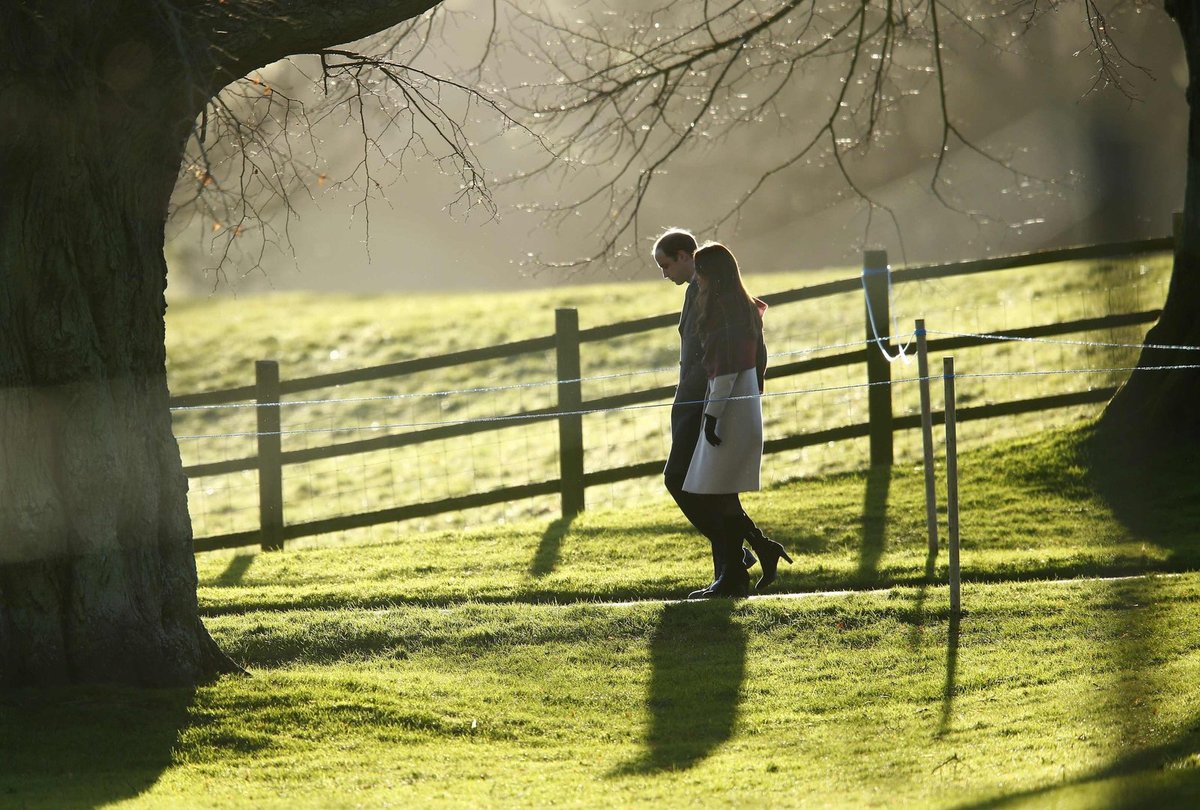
(534, 662)
(467, 669)
(214, 343)
(1030, 509)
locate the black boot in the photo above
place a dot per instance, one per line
(768, 551)
(718, 556)
(748, 561)
(733, 582)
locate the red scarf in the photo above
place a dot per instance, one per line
(732, 335)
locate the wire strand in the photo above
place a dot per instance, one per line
(525, 417)
(1097, 344)
(492, 388)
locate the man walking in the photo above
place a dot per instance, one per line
(674, 254)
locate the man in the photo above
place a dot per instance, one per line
(674, 254)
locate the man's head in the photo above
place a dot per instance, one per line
(673, 253)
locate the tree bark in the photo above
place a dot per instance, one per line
(97, 100)
(97, 573)
(247, 35)
(1159, 410)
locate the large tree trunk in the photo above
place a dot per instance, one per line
(1160, 409)
(97, 573)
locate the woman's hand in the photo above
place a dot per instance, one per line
(710, 430)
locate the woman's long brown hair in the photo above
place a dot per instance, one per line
(716, 263)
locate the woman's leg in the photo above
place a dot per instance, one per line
(768, 550)
(733, 581)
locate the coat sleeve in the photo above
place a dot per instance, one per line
(719, 390)
(761, 364)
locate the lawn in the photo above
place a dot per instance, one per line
(511, 659)
(538, 664)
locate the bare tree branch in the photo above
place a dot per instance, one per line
(640, 92)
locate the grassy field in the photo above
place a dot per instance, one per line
(529, 662)
(537, 665)
(213, 344)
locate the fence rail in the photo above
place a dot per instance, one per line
(574, 479)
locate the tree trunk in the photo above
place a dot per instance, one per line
(97, 573)
(1155, 409)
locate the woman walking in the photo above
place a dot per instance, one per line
(727, 461)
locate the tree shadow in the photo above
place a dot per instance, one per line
(233, 573)
(874, 519)
(545, 559)
(1167, 783)
(698, 658)
(87, 746)
(1155, 493)
(1144, 773)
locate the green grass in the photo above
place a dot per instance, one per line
(1077, 693)
(1030, 508)
(486, 668)
(213, 344)
(534, 662)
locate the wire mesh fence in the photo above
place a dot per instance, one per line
(451, 434)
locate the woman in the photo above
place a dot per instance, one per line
(727, 461)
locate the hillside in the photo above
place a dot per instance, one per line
(537, 663)
(214, 344)
(487, 668)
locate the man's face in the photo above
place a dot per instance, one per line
(679, 268)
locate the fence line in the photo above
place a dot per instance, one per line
(878, 278)
(492, 389)
(1107, 322)
(826, 389)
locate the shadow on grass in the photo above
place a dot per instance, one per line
(545, 559)
(948, 689)
(874, 519)
(233, 573)
(919, 616)
(698, 655)
(1154, 494)
(815, 582)
(1155, 776)
(1153, 490)
(86, 747)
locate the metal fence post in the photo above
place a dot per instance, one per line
(931, 526)
(952, 483)
(570, 399)
(270, 463)
(876, 278)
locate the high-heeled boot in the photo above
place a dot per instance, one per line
(718, 557)
(748, 561)
(733, 582)
(768, 551)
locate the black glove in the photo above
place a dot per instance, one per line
(710, 430)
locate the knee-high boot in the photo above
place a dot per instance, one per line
(733, 580)
(718, 557)
(768, 550)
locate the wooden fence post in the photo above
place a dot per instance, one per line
(952, 483)
(879, 371)
(927, 438)
(570, 398)
(270, 463)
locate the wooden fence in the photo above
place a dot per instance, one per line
(567, 341)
